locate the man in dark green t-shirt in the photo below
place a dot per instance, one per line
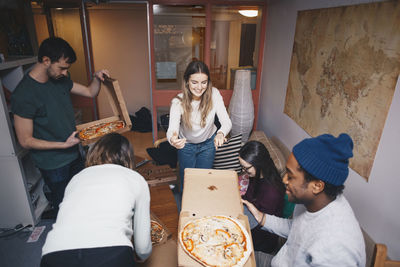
(44, 118)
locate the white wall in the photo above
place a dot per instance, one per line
(374, 202)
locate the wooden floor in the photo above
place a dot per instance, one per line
(140, 141)
(162, 203)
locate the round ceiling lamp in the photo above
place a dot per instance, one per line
(249, 13)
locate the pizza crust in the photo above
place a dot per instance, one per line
(216, 241)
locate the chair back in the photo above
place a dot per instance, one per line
(380, 257)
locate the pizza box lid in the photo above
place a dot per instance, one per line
(116, 100)
(167, 235)
(210, 192)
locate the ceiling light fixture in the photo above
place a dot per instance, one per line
(249, 13)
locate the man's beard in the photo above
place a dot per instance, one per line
(53, 77)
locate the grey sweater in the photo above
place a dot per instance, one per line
(328, 237)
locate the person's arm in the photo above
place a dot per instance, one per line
(94, 87)
(223, 118)
(141, 224)
(174, 125)
(24, 131)
(270, 223)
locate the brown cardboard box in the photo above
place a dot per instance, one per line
(210, 192)
(168, 234)
(117, 102)
(163, 255)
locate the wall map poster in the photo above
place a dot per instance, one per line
(344, 67)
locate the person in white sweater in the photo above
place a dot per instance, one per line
(191, 123)
(94, 223)
(324, 230)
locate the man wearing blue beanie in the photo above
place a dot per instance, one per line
(324, 230)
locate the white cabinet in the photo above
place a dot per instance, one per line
(22, 200)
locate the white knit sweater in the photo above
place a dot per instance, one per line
(328, 237)
(97, 211)
(198, 134)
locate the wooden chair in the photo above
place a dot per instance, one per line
(380, 257)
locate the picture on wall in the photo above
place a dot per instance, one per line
(344, 67)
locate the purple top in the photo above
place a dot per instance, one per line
(268, 200)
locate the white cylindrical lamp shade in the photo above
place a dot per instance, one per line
(241, 107)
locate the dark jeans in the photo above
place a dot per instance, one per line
(119, 256)
(58, 179)
(199, 155)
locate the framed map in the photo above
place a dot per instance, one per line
(344, 67)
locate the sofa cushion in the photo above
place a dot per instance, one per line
(275, 153)
(227, 155)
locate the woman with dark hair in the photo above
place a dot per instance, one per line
(191, 124)
(266, 191)
(94, 223)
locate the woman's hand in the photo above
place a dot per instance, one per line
(257, 214)
(219, 140)
(176, 142)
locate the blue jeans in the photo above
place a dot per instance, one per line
(58, 179)
(199, 155)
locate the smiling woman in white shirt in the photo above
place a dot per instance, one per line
(191, 123)
(94, 224)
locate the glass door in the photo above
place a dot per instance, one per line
(227, 37)
(178, 37)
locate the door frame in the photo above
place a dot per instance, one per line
(162, 98)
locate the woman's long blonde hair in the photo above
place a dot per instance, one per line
(112, 148)
(206, 98)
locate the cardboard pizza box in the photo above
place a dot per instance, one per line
(118, 106)
(210, 192)
(168, 234)
(163, 255)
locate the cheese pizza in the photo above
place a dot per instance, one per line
(216, 241)
(100, 129)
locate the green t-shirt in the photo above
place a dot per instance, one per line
(49, 106)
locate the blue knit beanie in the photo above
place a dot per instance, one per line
(325, 157)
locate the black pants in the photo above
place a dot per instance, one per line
(120, 256)
(58, 179)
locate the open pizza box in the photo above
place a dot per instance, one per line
(167, 235)
(210, 192)
(114, 95)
